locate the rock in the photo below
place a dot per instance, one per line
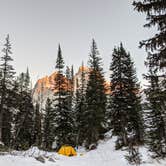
(51, 159)
(3, 153)
(40, 158)
(92, 146)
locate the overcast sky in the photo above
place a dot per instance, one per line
(37, 26)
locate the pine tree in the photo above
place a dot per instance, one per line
(72, 79)
(95, 99)
(155, 131)
(155, 12)
(24, 119)
(69, 87)
(49, 125)
(7, 75)
(27, 81)
(68, 76)
(79, 108)
(59, 62)
(37, 126)
(135, 125)
(63, 119)
(156, 62)
(125, 103)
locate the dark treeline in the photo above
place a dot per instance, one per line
(79, 117)
(82, 117)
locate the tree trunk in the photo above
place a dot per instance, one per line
(164, 118)
(1, 114)
(124, 133)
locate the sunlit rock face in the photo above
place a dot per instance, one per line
(45, 87)
(77, 77)
(86, 70)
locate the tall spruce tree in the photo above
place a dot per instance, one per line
(69, 87)
(63, 118)
(72, 78)
(95, 99)
(155, 136)
(6, 84)
(49, 125)
(24, 119)
(125, 103)
(68, 76)
(79, 107)
(155, 11)
(156, 62)
(27, 81)
(37, 126)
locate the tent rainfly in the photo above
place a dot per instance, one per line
(67, 151)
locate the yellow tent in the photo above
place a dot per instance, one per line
(67, 151)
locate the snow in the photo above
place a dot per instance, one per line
(1, 143)
(9, 160)
(104, 155)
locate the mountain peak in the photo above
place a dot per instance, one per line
(45, 87)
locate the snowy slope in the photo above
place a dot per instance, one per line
(104, 155)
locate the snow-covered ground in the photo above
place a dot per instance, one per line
(104, 155)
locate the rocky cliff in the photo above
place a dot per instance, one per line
(45, 87)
